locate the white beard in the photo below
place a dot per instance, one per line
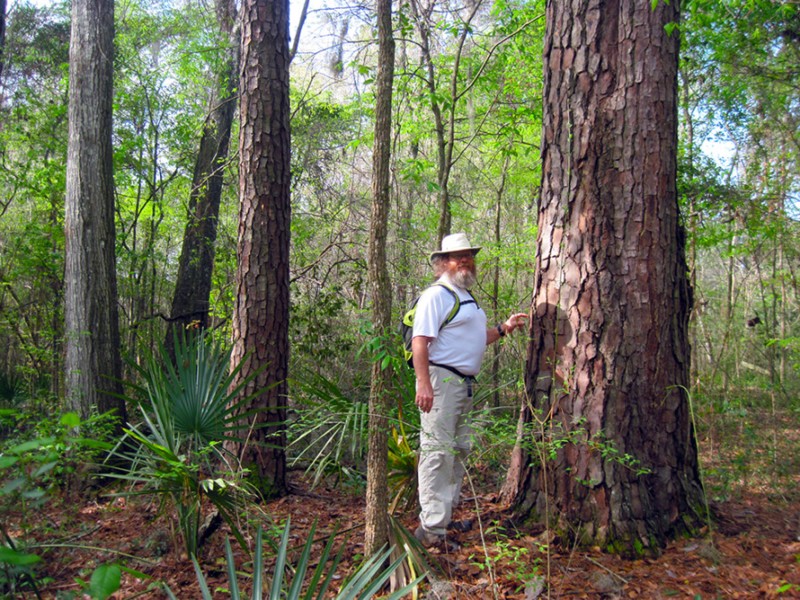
(464, 279)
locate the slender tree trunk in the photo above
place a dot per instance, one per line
(93, 366)
(261, 312)
(443, 168)
(190, 302)
(379, 402)
(608, 363)
(688, 136)
(729, 306)
(2, 35)
(444, 130)
(498, 208)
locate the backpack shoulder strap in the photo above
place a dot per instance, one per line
(456, 307)
(473, 301)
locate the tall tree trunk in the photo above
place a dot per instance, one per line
(445, 130)
(688, 137)
(379, 404)
(92, 364)
(2, 35)
(498, 208)
(261, 311)
(443, 167)
(608, 363)
(190, 302)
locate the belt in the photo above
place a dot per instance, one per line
(468, 379)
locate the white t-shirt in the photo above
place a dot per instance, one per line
(462, 342)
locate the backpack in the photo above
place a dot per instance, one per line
(407, 324)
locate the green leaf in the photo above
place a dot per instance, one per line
(70, 419)
(12, 486)
(17, 558)
(31, 445)
(94, 444)
(33, 494)
(45, 468)
(135, 573)
(105, 581)
(7, 461)
(201, 579)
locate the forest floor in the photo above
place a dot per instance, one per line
(751, 549)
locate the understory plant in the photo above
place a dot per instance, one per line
(401, 468)
(189, 408)
(367, 581)
(329, 433)
(33, 463)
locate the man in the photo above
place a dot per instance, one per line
(446, 360)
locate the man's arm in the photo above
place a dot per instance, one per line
(513, 322)
(419, 351)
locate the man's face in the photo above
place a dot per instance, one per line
(461, 268)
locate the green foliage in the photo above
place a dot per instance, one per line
(494, 436)
(320, 327)
(32, 157)
(507, 553)
(29, 471)
(401, 473)
(105, 581)
(329, 433)
(52, 458)
(189, 409)
(11, 396)
(788, 588)
(747, 447)
(403, 440)
(547, 438)
(367, 581)
(16, 568)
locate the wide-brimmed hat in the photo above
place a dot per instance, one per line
(456, 242)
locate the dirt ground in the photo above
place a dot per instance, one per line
(751, 551)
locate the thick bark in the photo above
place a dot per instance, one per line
(92, 362)
(190, 301)
(379, 405)
(608, 363)
(261, 313)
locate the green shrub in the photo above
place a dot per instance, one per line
(29, 470)
(189, 409)
(364, 584)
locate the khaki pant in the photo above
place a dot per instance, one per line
(445, 442)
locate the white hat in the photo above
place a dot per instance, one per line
(456, 242)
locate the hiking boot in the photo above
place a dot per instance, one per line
(426, 538)
(431, 540)
(460, 526)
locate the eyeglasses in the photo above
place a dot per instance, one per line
(458, 257)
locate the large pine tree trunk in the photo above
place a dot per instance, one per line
(261, 313)
(190, 301)
(608, 362)
(92, 362)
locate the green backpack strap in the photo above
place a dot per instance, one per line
(407, 327)
(456, 307)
